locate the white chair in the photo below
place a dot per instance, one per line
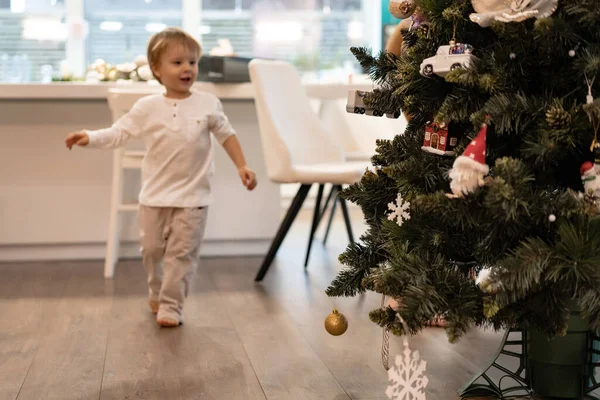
(357, 134)
(120, 102)
(297, 148)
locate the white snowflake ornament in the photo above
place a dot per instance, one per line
(408, 379)
(399, 210)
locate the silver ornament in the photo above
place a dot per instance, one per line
(488, 11)
(401, 9)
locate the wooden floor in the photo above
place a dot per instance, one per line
(66, 333)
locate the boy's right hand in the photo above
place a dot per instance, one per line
(77, 138)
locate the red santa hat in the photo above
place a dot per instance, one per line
(585, 167)
(473, 158)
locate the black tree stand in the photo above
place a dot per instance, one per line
(508, 367)
(528, 364)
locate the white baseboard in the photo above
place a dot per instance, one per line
(129, 250)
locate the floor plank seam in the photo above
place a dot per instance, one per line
(27, 374)
(29, 369)
(112, 307)
(237, 333)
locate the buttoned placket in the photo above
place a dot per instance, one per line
(175, 123)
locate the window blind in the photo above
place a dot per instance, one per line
(117, 47)
(38, 52)
(329, 47)
(238, 31)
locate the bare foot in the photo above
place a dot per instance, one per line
(167, 322)
(154, 306)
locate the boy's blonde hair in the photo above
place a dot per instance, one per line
(160, 41)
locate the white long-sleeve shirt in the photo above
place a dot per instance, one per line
(178, 164)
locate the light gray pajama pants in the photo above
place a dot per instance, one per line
(171, 239)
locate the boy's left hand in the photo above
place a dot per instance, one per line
(248, 177)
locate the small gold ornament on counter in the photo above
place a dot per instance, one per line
(335, 323)
(113, 74)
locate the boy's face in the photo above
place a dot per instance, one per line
(177, 68)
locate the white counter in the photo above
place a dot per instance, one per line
(99, 91)
(54, 203)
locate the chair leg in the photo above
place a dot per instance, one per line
(315, 222)
(112, 244)
(346, 216)
(332, 213)
(283, 230)
(329, 197)
(113, 237)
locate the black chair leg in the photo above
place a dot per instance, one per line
(315, 222)
(346, 216)
(333, 206)
(283, 230)
(329, 197)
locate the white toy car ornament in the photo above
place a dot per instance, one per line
(356, 105)
(448, 58)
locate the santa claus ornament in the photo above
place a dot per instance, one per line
(589, 170)
(488, 11)
(591, 181)
(469, 169)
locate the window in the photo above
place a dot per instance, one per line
(341, 5)
(119, 30)
(282, 4)
(315, 35)
(33, 36)
(221, 4)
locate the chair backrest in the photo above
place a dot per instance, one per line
(357, 132)
(291, 132)
(120, 100)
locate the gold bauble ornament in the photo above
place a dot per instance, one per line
(335, 323)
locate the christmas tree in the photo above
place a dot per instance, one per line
(484, 211)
